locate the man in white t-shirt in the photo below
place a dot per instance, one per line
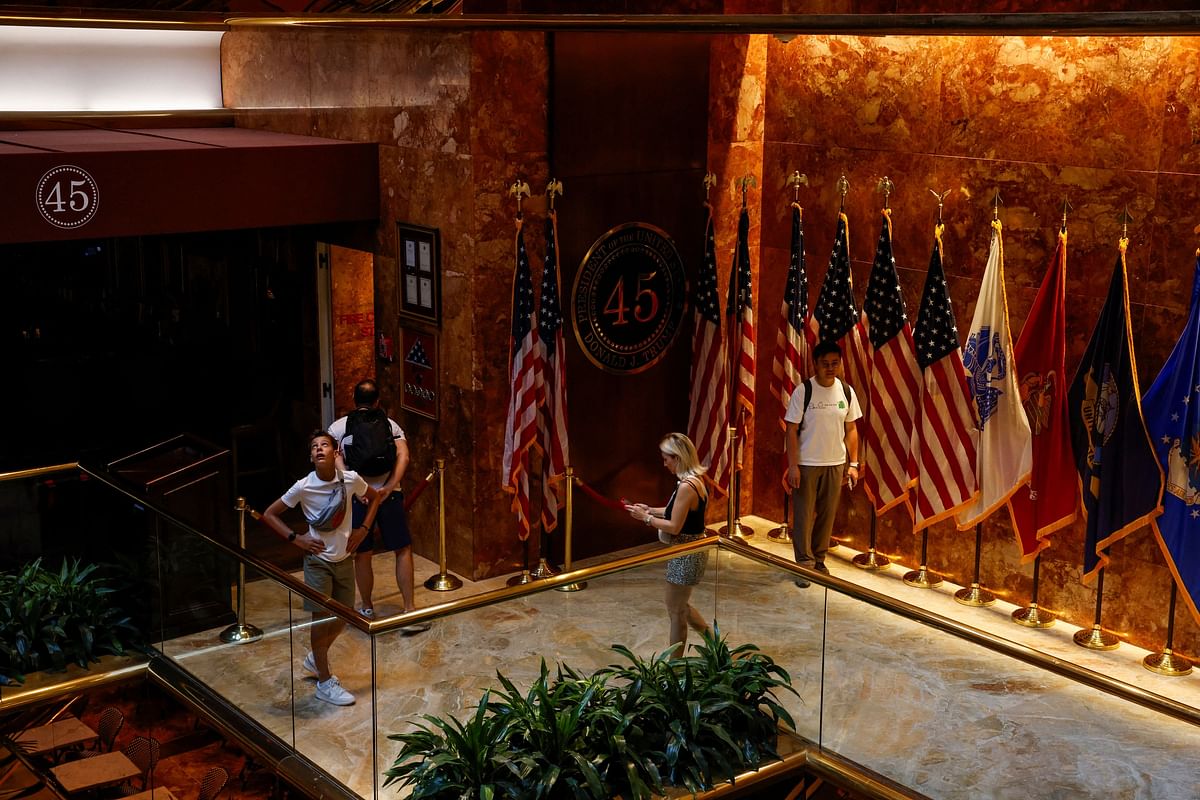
(391, 529)
(324, 495)
(821, 433)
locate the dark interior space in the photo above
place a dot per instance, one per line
(120, 343)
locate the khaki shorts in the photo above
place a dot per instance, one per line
(333, 579)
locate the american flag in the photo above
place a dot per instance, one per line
(707, 413)
(740, 312)
(793, 360)
(944, 437)
(895, 383)
(525, 378)
(553, 417)
(840, 320)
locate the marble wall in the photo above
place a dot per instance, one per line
(457, 117)
(1105, 122)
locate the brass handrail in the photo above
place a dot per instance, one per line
(35, 472)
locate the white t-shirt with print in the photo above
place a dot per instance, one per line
(313, 494)
(338, 431)
(823, 425)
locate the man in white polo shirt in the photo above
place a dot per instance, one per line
(822, 451)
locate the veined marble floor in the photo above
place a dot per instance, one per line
(930, 711)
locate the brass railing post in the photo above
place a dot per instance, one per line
(568, 533)
(443, 581)
(241, 632)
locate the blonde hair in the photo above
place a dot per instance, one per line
(687, 462)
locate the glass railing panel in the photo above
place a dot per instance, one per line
(760, 604)
(337, 738)
(952, 719)
(445, 670)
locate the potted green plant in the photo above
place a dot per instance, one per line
(49, 619)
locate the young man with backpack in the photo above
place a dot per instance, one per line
(373, 445)
(822, 452)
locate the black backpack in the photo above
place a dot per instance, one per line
(373, 449)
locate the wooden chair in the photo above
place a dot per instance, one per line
(143, 752)
(212, 783)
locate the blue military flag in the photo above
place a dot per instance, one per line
(1174, 425)
(1120, 481)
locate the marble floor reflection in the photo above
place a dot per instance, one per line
(946, 718)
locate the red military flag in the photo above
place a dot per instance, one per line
(793, 359)
(895, 383)
(707, 417)
(552, 420)
(944, 436)
(1050, 501)
(841, 321)
(740, 311)
(525, 380)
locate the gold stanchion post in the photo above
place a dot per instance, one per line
(443, 581)
(1166, 662)
(241, 632)
(569, 512)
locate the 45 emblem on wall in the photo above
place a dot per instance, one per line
(67, 197)
(629, 298)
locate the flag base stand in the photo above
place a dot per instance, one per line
(737, 530)
(543, 569)
(571, 587)
(1033, 617)
(975, 595)
(781, 534)
(922, 578)
(520, 579)
(872, 560)
(1096, 639)
(241, 634)
(1167, 663)
(443, 582)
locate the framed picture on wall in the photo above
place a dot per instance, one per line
(420, 284)
(419, 372)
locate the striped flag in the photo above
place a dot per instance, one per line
(740, 312)
(1004, 454)
(552, 420)
(944, 437)
(895, 383)
(840, 320)
(707, 413)
(1174, 425)
(1052, 498)
(525, 380)
(793, 360)
(1120, 480)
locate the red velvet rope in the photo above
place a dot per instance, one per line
(599, 498)
(411, 497)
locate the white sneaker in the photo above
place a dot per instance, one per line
(368, 612)
(331, 691)
(415, 628)
(310, 666)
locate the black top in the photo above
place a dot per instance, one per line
(693, 524)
